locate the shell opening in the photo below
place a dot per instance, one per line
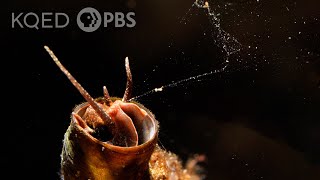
(126, 114)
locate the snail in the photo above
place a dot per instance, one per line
(111, 138)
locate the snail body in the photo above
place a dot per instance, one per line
(112, 139)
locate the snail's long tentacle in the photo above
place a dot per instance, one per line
(104, 116)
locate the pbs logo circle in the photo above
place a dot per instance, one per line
(89, 19)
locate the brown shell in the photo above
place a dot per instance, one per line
(85, 157)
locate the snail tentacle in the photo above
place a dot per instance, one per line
(128, 92)
(106, 96)
(83, 92)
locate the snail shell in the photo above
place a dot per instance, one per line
(86, 157)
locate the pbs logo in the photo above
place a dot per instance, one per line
(89, 19)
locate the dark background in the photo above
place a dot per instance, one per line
(258, 119)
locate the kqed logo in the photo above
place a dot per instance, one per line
(88, 20)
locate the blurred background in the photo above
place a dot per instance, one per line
(256, 119)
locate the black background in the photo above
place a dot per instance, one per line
(259, 119)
